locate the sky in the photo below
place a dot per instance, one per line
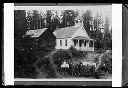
(105, 10)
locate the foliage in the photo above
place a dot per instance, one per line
(44, 68)
(61, 55)
(55, 22)
(98, 21)
(105, 65)
(101, 50)
(107, 62)
(23, 64)
(33, 18)
(20, 24)
(87, 16)
(24, 56)
(68, 17)
(76, 53)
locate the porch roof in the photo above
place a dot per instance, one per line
(81, 38)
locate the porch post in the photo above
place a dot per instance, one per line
(93, 45)
(88, 43)
(84, 43)
(78, 43)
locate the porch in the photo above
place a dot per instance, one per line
(83, 43)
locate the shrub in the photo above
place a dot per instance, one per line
(99, 50)
(49, 71)
(44, 68)
(76, 53)
(96, 60)
(60, 56)
(72, 48)
(106, 65)
(23, 66)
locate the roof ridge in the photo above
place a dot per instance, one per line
(79, 18)
(65, 27)
(65, 32)
(36, 29)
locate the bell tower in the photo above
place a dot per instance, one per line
(79, 21)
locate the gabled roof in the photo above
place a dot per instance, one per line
(79, 18)
(35, 33)
(66, 32)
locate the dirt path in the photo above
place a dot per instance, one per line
(51, 53)
(49, 56)
(92, 56)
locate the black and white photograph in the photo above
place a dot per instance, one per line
(63, 42)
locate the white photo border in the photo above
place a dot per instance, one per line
(116, 44)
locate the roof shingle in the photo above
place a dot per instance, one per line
(66, 32)
(35, 33)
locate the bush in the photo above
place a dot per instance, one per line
(60, 56)
(99, 50)
(44, 68)
(106, 65)
(96, 60)
(23, 66)
(49, 70)
(76, 53)
(72, 48)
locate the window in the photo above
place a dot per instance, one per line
(60, 42)
(65, 42)
(91, 44)
(85, 43)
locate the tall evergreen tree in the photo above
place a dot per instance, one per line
(55, 22)
(49, 15)
(36, 18)
(107, 34)
(22, 55)
(68, 17)
(98, 22)
(20, 21)
(87, 16)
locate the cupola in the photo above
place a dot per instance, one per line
(78, 21)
